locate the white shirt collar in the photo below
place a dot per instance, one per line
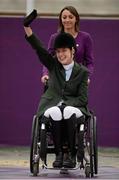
(69, 66)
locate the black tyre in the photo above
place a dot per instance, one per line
(34, 150)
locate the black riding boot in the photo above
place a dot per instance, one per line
(70, 123)
(56, 132)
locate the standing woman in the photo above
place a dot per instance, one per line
(69, 22)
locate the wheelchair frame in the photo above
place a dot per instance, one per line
(39, 148)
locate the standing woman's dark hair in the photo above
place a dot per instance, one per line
(73, 11)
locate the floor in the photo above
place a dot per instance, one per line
(14, 164)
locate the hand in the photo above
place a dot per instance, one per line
(29, 19)
(44, 79)
(28, 31)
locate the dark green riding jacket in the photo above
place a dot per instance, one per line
(73, 92)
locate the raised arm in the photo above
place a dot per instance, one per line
(51, 50)
(45, 58)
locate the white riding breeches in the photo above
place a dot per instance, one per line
(56, 114)
(70, 110)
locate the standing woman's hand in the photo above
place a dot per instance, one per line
(44, 79)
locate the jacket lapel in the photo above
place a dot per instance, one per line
(75, 70)
(62, 71)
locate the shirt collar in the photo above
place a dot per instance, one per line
(69, 66)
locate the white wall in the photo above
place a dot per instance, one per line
(84, 7)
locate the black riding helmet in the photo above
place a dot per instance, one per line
(64, 40)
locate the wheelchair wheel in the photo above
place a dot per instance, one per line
(34, 151)
(43, 143)
(93, 147)
(89, 166)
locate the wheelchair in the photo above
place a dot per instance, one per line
(40, 147)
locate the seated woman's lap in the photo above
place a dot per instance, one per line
(57, 113)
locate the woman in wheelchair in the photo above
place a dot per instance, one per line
(65, 101)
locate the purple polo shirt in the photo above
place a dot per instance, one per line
(84, 54)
